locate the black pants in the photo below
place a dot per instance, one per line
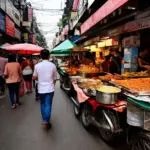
(2, 84)
(13, 91)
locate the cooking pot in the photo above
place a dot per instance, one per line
(106, 97)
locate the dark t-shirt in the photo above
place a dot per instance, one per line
(115, 65)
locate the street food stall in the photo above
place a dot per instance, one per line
(114, 104)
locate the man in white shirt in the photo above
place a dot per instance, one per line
(46, 74)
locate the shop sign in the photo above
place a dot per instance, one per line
(74, 15)
(137, 25)
(26, 37)
(101, 44)
(75, 5)
(109, 7)
(12, 12)
(111, 42)
(10, 27)
(30, 14)
(17, 33)
(2, 23)
(132, 41)
(3, 4)
(26, 24)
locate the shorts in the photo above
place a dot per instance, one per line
(27, 77)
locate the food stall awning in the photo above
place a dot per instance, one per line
(60, 55)
(64, 47)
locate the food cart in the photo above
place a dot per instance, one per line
(137, 91)
(104, 100)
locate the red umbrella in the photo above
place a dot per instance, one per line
(24, 48)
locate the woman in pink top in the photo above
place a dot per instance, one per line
(13, 75)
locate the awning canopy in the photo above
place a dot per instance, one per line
(64, 47)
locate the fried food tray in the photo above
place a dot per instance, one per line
(135, 93)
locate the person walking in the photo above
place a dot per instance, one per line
(3, 62)
(27, 67)
(37, 60)
(13, 74)
(46, 74)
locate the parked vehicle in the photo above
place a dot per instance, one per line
(108, 119)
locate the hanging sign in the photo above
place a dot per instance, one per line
(30, 14)
(26, 37)
(75, 5)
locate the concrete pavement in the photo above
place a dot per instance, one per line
(21, 129)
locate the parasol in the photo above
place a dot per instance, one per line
(23, 48)
(6, 44)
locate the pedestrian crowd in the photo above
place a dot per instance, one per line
(39, 73)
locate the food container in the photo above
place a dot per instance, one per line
(107, 94)
(138, 117)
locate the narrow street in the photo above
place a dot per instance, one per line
(21, 129)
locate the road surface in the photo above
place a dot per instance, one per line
(21, 129)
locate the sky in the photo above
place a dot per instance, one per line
(47, 21)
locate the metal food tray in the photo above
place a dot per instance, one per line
(135, 93)
(134, 77)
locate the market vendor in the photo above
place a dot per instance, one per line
(115, 65)
(142, 62)
(88, 59)
(106, 64)
(75, 62)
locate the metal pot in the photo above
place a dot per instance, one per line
(107, 94)
(106, 98)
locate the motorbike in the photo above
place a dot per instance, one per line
(108, 119)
